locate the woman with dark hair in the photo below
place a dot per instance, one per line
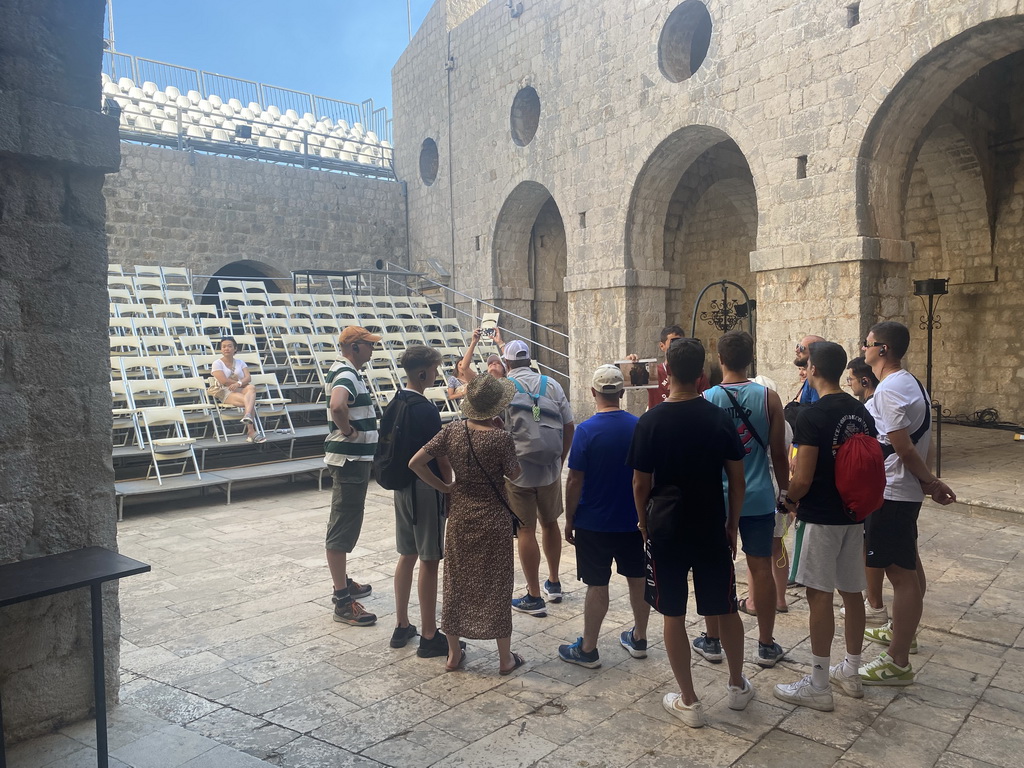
(236, 387)
(479, 570)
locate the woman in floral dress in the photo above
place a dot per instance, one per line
(479, 566)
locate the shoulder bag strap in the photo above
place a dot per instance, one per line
(516, 522)
(743, 416)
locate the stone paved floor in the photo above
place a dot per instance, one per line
(230, 658)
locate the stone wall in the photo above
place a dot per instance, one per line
(827, 111)
(56, 480)
(204, 212)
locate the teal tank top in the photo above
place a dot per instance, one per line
(753, 399)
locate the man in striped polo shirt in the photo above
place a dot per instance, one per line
(348, 453)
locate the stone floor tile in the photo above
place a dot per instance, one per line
(839, 728)
(286, 688)
(377, 722)
(83, 758)
(225, 757)
(125, 724)
(452, 689)
(1000, 706)
(187, 667)
(215, 685)
(951, 679)
(311, 712)
(618, 741)
(893, 742)
(423, 744)
(783, 750)
(380, 684)
(243, 732)
(693, 748)
(172, 704)
(306, 752)
(142, 660)
(169, 747)
(506, 748)
(44, 751)
(994, 743)
(1010, 676)
(931, 707)
(481, 715)
(953, 760)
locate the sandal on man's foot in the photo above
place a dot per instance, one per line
(742, 606)
(518, 662)
(260, 438)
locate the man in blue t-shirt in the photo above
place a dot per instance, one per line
(601, 519)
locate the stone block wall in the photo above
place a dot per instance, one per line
(56, 480)
(204, 212)
(827, 111)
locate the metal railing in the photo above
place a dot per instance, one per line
(399, 276)
(140, 70)
(304, 147)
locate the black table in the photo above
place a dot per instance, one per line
(49, 575)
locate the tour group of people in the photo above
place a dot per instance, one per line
(705, 472)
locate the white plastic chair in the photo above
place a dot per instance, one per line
(178, 445)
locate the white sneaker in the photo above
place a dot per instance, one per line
(872, 616)
(804, 694)
(692, 715)
(851, 684)
(738, 698)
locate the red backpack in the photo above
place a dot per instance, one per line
(860, 475)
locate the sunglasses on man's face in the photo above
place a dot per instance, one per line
(801, 348)
(869, 344)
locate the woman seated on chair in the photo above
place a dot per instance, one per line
(237, 389)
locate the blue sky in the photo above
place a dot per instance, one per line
(342, 49)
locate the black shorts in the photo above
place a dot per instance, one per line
(714, 578)
(595, 551)
(890, 535)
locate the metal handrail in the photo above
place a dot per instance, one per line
(474, 299)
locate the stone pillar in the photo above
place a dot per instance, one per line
(56, 479)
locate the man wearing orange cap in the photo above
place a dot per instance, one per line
(348, 453)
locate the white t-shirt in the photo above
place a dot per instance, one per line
(239, 372)
(898, 404)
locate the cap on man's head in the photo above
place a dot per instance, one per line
(516, 350)
(354, 333)
(608, 380)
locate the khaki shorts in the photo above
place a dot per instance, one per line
(832, 557)
(529, 504)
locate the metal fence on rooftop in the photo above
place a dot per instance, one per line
(185, 79)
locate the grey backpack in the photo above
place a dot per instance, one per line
(535, 422)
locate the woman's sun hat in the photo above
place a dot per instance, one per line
(486, 397)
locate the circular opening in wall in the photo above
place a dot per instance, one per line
(428, 161)
(684, 40)
(525, 116)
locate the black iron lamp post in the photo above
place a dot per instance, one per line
(932, 289)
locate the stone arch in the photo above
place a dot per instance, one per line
(246, 269)
(693, 219)
(896, 129)
(941, 169)
(949, 171)
(529, 255)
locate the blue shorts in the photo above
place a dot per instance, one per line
(756, 533)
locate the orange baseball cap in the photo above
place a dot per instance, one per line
(354, 333)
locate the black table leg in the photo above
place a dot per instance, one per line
(3, 753)
(98, 676)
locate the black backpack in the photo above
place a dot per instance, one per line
(394, 446)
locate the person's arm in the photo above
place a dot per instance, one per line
(777, 440)
(445, 468)
(803, 474)
(339, 410)
(220, 375)
(498, 341)
(930, 484)
(568, 430)
(465, 365)
(246, 378)
(737, 489)
(418, 464)
(573, 490)
(642, 484)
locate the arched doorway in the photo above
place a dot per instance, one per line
(694, 215)
(529, 263)
(244, 270)
(942, 169)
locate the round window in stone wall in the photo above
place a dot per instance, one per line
(684, 40)
(525, 116)
(428, 161)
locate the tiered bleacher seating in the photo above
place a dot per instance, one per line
(162, 115)
(162, 355)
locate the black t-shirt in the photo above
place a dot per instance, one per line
(686, 444)
(827, 424)
(425, 420)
